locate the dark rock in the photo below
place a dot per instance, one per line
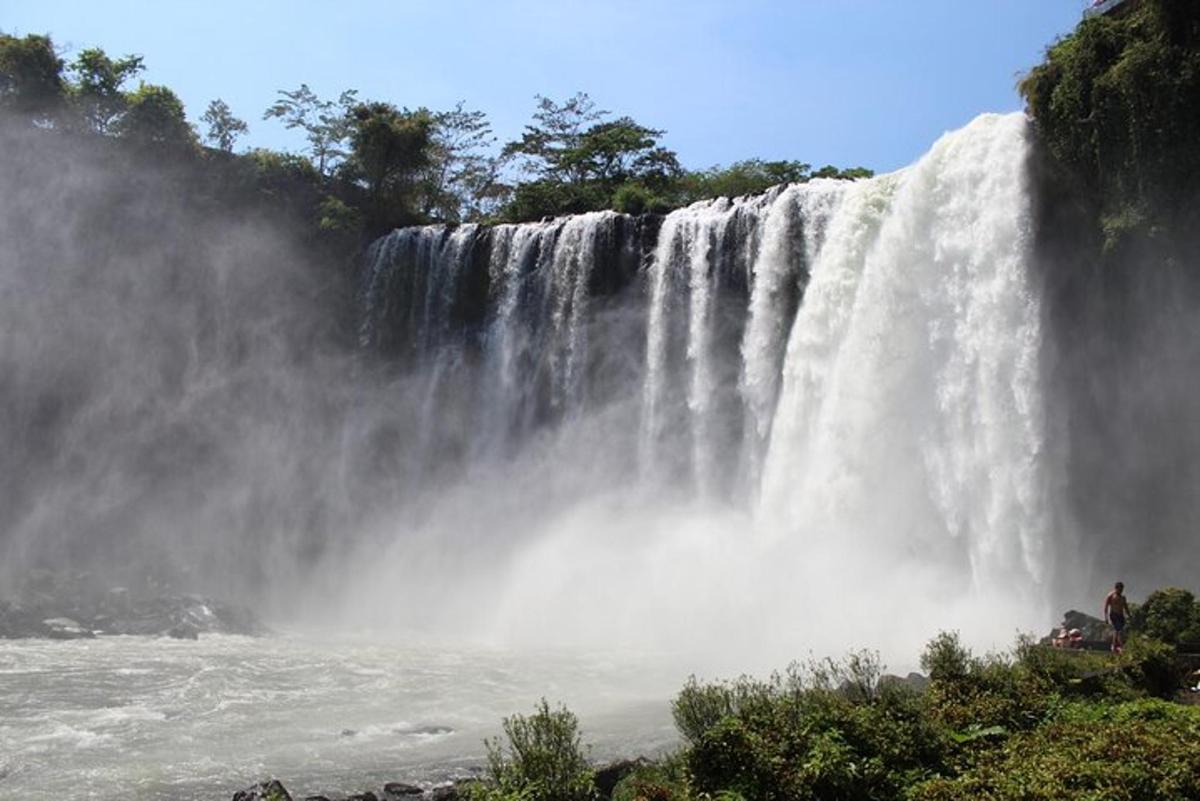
(317, 798)
(913, 681)
(184, 631)
(271, 790)
(367, 796)
(607, 776)
(423, 730)
(447, 792)
(80, 608)
(400, 790)
(348, 732)
(1092, 628)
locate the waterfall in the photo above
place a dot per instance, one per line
(855, 366)
(911, 414)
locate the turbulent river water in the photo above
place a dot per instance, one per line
(141, 718)
(804, 421)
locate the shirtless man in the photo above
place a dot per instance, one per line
(1116, 609)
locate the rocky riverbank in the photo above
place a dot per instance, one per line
(69, 606)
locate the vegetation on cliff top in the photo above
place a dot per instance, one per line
(1115, 105)
(368, 165)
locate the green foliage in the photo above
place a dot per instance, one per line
(581, 161)
(634, 198)
(1114, 104)
(327, 124)
(829, 730)
(543, 759)
(462, 179)
(389, 147)
(223, 128)
(98, 92)
(1140, 750)
(748, 177)
(155, 117)
(665, 780)
(31, 81)
(945, 657)
(1170, 614)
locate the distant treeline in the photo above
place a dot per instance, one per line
(369, 165)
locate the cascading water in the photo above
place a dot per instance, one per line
(849, 369)
(712, 442)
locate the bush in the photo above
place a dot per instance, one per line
(662, 781)
(1140, 750)
(825, 729)
(1169, 614)
(544, 760)
(945, 657)
(634, 198)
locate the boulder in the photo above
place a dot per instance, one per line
(270, 790)
(184, 631)
(393, 790)
(367, 796)
(64, 628)
(913, 681)
(1093, 629)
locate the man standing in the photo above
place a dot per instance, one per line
(1116, 609)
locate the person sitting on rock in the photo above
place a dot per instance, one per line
(1116, 609)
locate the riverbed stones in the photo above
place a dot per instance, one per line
(270, 790)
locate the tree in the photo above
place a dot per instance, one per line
(615, 152)
(389, 146)
(327, 124)
(462, 175)
(580, 161)
(547, 145)
(223, 127)
(155, 116)
(31, 81)
(98, 91)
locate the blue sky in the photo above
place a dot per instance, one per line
(847, 82)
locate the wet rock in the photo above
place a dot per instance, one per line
(393, 790)
(64, 628)
(317, 798)
(447, 792)
(1093, 629)
(367, 796)
(270, 790)
(913, 681)
(184, 631)
(92, 608)
(607, 776)
(430, 730)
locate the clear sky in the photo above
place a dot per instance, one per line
(847, 82)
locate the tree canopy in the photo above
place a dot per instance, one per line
(369, 165)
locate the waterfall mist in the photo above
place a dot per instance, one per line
(831, 416)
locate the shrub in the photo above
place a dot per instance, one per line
(1169, 614)
(665, 780)
(945, 657)
(1140, 750)
(634, 198)
(544, 760)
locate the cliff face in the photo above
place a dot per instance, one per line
(1116, 115)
